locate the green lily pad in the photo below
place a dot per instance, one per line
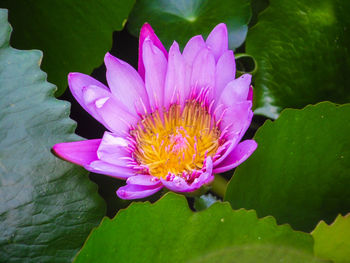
(333, 241)
(302, 53)
(300, 172)
(257, 254)
(168, 231)
(47, 206)
(181, 20)
(74, 35)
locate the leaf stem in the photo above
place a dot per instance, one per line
(219, 185)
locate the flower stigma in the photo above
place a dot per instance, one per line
(176, 142)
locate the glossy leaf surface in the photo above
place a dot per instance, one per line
(47, 206)
(73, 35)
(168, 231)
(302, 53)
(181, 20)
(300, 172)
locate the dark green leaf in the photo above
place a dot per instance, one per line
(300, 172)
(181, 20)
(74, 35)
(47, 206)
(302, 51)
(333, 241)
(168, 231)
(257, 7)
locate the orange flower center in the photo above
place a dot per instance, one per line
(176, 141)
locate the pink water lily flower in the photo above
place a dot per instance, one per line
(173, 124)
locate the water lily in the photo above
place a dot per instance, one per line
(173, 124)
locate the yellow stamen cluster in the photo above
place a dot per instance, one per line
(176, 141)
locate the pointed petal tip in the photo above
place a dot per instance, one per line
(72, 76)
(146, 28)
(77, 81)
(221, 26)
(148, 32)
(219, 29)
(197, 41)
(247, 77)
(239, 155)
(217, 40)
(122, 194)
(175, 43)
(174, 48)
(197, 38)
(55, 149)
(107, 55)
(109, 59)
(79, 152)
(129, 192)
(254, 145)
(58, 149)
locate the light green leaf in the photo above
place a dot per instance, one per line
(168, 231)
(302, 53)
(74, 35)
(300, 172)
(333, 241)
(47, 206)
(181, 20)
(257, 254)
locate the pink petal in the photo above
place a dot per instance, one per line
(226, 148)
(114, 149)
(147, 32)
(217, 40)
(155, 71)
(80, 153)
(203, 72)
(176, 90)
(236, 91)
(250, 93)
(237, 156)
(192, 48)
(225, 72)
(237, 117)
(126, 85)
(203, 179)
(178, 184)
(116, 171)
(91, 94)
(78, 82)
(117, 119)
(236, 128)
(208, 165)
(131, 191)
(146, 180)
